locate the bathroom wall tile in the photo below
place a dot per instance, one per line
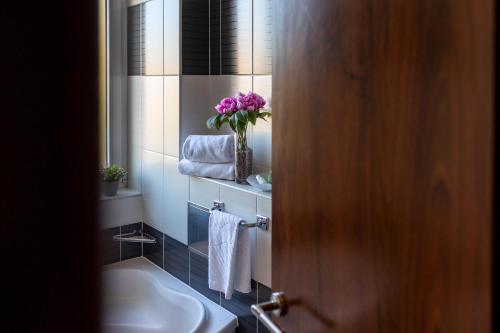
(171, 35)
(120, 211)
(135, 35)
(198, 277)
(153, 252)
(110, 249)
(153, 37)
(262, 268)
(264, 295)
(134, 104)
(152, 188)
(176, 259)
(109, 213)
(152, 114)
(262, 131)
(131, 210)
(236, 36)
(195, 37)
(198, 228)
(131, 250)
(262, 37)
(196, 106)
(215, 37)
(171, 115)
(240, 304)
(176, 195)
(203, 192)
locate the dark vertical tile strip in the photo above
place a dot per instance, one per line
(264, 296)
(240, 304)
(215, 37)
(176, 259)
(154, 251)
(131, 250)
(199, 277)
(135, 34)
(195, 37)
(110, 249)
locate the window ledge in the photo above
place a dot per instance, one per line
(122, 193)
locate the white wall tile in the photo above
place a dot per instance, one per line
(152, 188)
(176, 195)
(171, 115)
(134, 104)
(109, 213)
(153, 37)
(262, 137)
(203, 192)
(195, 106)
(171, 37)
(152, 114)
(263, 251)
(120, 211)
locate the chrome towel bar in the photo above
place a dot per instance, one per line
(262, 221)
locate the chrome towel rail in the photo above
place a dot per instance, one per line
(262, 221)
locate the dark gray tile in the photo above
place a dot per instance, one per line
(110, 249)
(240, 304)
(264, 296)
(176, 258)
(198, 227)
(199, 277)
(154, 251)
(131, 250)
(195, 37)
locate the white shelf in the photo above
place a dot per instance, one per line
(240, 187)
(122, 193)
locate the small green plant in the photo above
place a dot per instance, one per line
(112, 173)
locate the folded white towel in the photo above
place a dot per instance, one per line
(219, 171)
(229, 254)
(209, 148)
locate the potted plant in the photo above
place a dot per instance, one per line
(238, 111)
(110, 178)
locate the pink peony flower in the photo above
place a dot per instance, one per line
(227, 105)
(250, 101)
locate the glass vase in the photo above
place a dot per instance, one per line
(242, 160)
(243, 165)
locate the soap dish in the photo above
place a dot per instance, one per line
(252, 180)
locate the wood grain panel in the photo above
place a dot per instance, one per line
(382, 152)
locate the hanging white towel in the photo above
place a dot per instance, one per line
(229, 255)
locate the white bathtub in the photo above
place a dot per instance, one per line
(139, 297)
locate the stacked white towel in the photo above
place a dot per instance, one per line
(208, 156)
(229, 254)
(209, 148)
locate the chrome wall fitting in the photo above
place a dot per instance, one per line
(218, 205)
(262, 222)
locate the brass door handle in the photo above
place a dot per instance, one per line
(278, 305)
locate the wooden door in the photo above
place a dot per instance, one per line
(383, 159)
